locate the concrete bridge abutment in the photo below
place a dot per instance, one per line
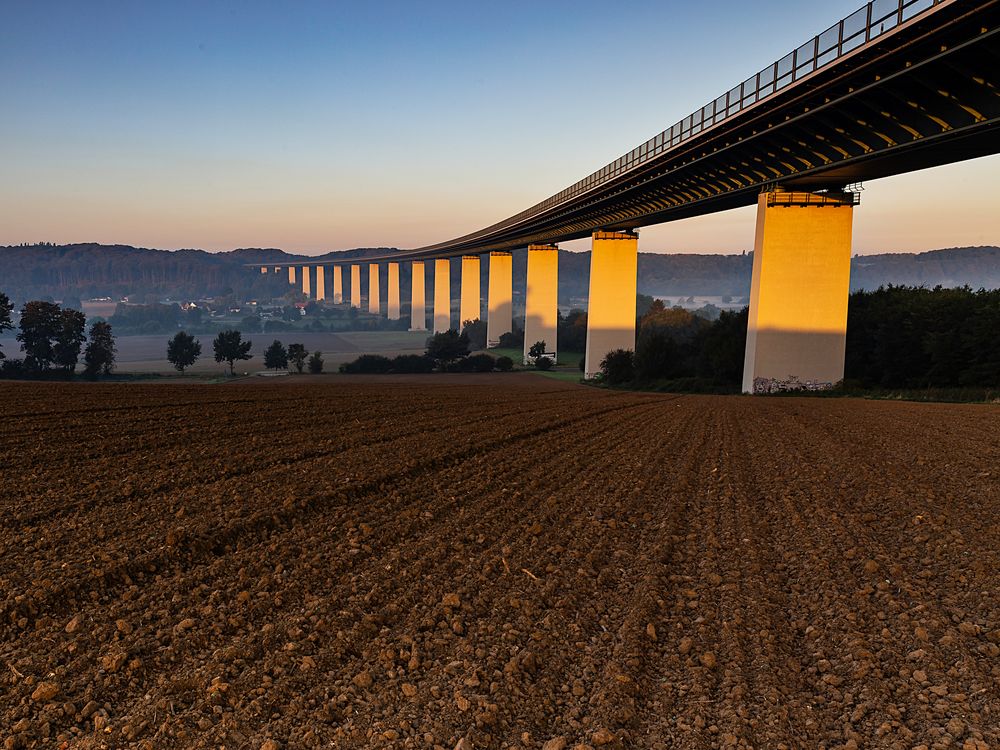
(418, 308)
(442, 295)
(797, 330)
(541, 301)
(392, 293)
(356, 286)
(374, 298)
(470, 300)
(611, 306)
(500, 293)
(338, 285)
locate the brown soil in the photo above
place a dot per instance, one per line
(508, 562)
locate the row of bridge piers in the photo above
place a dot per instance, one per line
(797, 324)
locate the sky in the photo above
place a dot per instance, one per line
(316, 125)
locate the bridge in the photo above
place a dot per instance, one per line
(897, 86)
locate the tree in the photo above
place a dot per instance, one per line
(40, 324)
(316, 363)
(475, 330)
(183, 350)
(100, 355)
(297, 356)
(276, 357)
(448, 346)
(69, 339)
(6, 308)
(230, 347)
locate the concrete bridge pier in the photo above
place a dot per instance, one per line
(305, 281)
(320, 283)
(392, 308)
(469, 305)
(499, 298)
(442, 295)
(611, 305)
(797, 331)
(374, 300)
(418, 309)
(541, 299)
(338, 285)
(356, 286)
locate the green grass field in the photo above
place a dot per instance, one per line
(566, 359)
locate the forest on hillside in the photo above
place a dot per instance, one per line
(145, 275)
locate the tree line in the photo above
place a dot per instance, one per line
(52, 339)
(897, 337)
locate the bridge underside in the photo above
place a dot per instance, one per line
(925, 96)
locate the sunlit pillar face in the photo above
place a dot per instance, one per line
(291, 274)
(356, 286)
(305, 281)
(611, 306)
(392, 303)
(541, 301)
(338, 285)
(320, 283)
(499, 318)
(470, 292)
(797, 327)
(374, 299)
(442, 295)
(263, 269)
(418, 310)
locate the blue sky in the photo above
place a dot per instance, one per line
(324, 125)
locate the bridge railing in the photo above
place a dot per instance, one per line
(864, 25)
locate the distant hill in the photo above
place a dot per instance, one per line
(91, 270)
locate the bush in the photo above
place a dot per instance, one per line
(618, 367)
(412, 363)
(512, 339)
(543, 363)
(367, 364)
(13, 369)
(480, 363)
(504, 364)
(448, 346)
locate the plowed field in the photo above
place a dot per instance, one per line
(495, 562)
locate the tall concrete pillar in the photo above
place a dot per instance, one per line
(499, 301)
(392, 304)
(374, 299)
(611, 305)
(276, 269)
(469, 305)
(263, 269)
(418, 311)
(541, 306)
(305, 281)
(356, 286)
(797, 331)
(442, 295)
(291, 274)
(320, 283)
(338, 285)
